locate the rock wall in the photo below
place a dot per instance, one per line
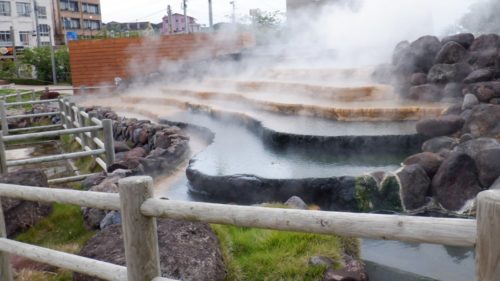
(462, 156)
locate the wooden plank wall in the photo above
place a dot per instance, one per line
(98, 62)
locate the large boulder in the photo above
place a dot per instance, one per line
(483, 121)
(415, 184)
(446, 73)
(21, 215)
(427, 92)
(188, 251)
(488, 164)
(429, 161)
(474, 146)
(485, 91)
(416, 57)
(452, 90)
(418, 78)
(451, 53)
(456, 182)
(440, 126)
(464, 39)
(439, 144)
(486, 42)
(480, 75)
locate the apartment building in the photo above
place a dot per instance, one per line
(178, 25)
(80, 17)
(18, 24)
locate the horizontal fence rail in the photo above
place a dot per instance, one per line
(451, 232)
(94, 136)
(139, 211)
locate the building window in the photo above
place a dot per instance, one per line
(4, 8)
(42, 12)
(90, 8)
(91, 24)
(24, 37)
(70, 23)
(44, 29)
(45, 43)
(71, 6)
(5, 39)
(23, 9)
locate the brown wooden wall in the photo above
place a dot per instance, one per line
(98, 62)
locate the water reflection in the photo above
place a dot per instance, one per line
(420, 261)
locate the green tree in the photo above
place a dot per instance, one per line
(8, 69)
(266, 25)
(40, 58)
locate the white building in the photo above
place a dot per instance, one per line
(20, 15)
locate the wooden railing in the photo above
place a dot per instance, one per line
(139, 211)
(75, 122)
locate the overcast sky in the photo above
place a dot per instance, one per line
(154, 10)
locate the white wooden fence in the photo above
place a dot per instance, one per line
(94, 136)
(139, 211)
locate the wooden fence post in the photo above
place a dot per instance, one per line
(5, 269)
(62, 109)
(33, 95)
(107, 125)
(140, 233)
(488, 236)
(3, 161)
(3, 116)
(93, 134)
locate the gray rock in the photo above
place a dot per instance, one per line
(470, 101)
(495, 101)
(485, 42)
(451, 53)
(446, 73)
(483, 121)
(415, 184)
(485, 91)
(452, 90)
(188, 251)
(440, 126)
(488, 164)
(320, 261)
(464, 39)
(456, 182)
(92, 217)
(354, 270)
(419, 78)
(111, 218)
(480, 75)
(427, 92)
(466, 138)
(121, 146)
(296, 202)
(20, 215)
(473, 147)
(436, 145)
(429, 161)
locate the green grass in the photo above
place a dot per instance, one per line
(260, 255)
(62, 230)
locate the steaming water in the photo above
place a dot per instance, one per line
(387, 260)
(235, 150)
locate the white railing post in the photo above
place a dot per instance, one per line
(5, 269)
(488, 236)
(18, 96)
(139, 232)
(3, 160)
(107, 125)
(3, 117)
(33, 95)
(62, 109)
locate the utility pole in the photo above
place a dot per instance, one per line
(37, 25)
(52, 57)
(233, 18)
(186, 26)
(170, 23)
(14, 52)
(210, 15)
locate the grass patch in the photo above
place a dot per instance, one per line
(62, 230)
(260, 255)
